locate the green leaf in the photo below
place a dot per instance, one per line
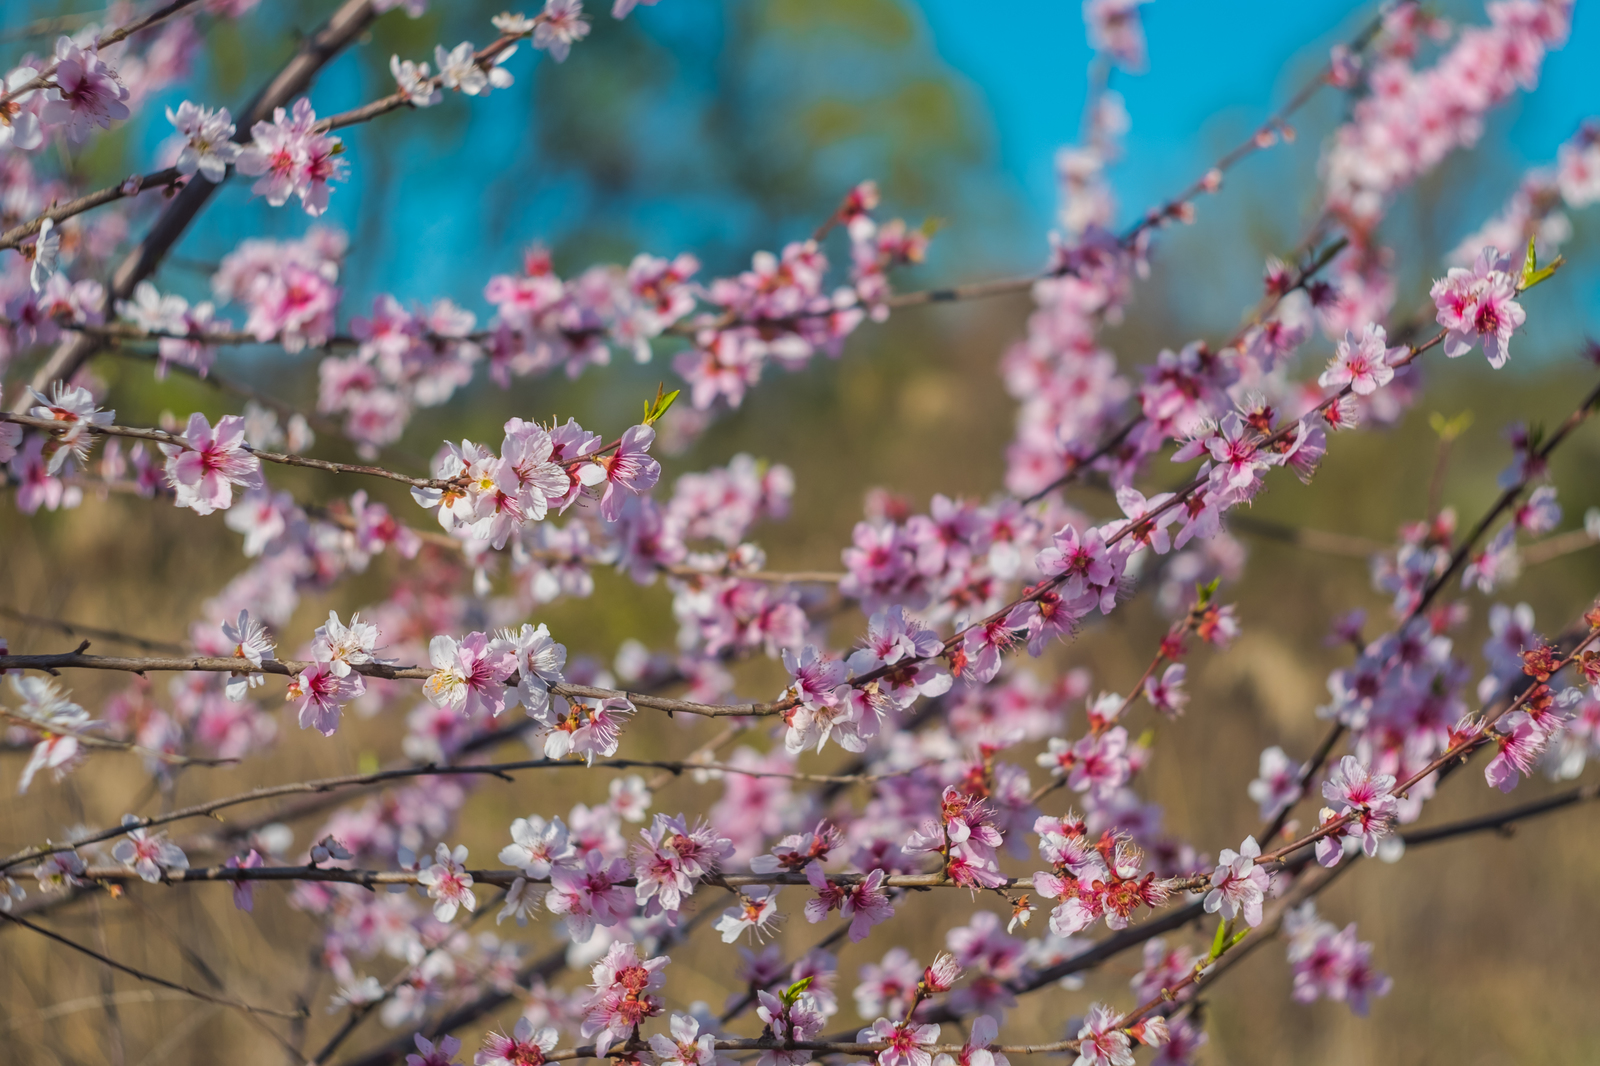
(1449, 429)
(654, 409)
(1532, 273)
(794, 991)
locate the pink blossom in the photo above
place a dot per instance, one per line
(1364, 363)
(323, 692)
(757, 914)
(448, 883)
(526, 1046)
(244, 891)
(562, 24)
(57, 719)
(1167, 693)
(148, 854)
(1115, 29)
(797, 1022)
(1277, 785)
(469, 675)
(292, 159)
(1355, 789)
(74, 409)
(1479, 303)
(1238, 885)
(907, 1043)
(687, 1046)
(621, 999)
(864, 901)
(1518, 748)
(429, 1054)
(976, 1051)
(204, 469)
(587, 894)
(629, 467)
(209, 148)
(87, 92)
(1103, 1044)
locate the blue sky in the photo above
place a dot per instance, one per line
(472, 184)
(1214, 67)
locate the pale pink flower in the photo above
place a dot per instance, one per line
(148, 854)
(756, 914)
(323, 692)
(525, 1046)
(209, 147)
(1364, 363)
(252, 644)
(87, 92)
(244, 896)
(73, 407)
(1356, 789)
(1277, 785)
(430, 1054)
(908, 1043)
(629, 467)
(1103, 1044)
(19, 117)
(562, 24)
(468, 675)
(1479, 303)
(621, 999)
(210, 462)
(448, 883)
(687, 1046)
(1238, 885)
(587, 894)
(57, 719)
(414, 82)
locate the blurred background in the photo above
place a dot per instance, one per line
(724, 128)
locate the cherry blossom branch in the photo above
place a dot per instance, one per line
(1475, 738)
(290, 668)
(1555, 547)
(492, 998)
(1178, 498)
(161, 436)
(128, 187)
(1508, 497)
(500, 878)
(347, 23)
(221, 1001)
(134, 185)
(1077, 465)
(89, 740)
(1502, 821)
(350, 781)
(105, 40)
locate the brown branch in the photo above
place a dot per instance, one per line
(75, 629)
(160, 179)
(151, 978)
(1507, 498)
(346, 24)
(105, 40)
(291, 668)
(161, 436)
